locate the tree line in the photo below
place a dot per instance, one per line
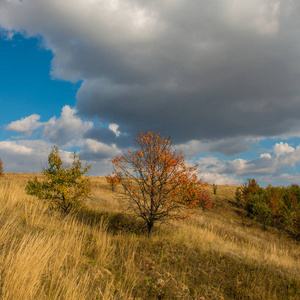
(159, 186)
(272, 206)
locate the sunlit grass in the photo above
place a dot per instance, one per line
(103, 254)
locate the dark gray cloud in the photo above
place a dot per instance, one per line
(194, 70)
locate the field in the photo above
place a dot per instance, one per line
(103, 254)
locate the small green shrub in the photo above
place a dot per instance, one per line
(238, 194)
(64, 187)
(215, 187)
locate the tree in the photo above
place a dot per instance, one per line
(261, 210)
(203, 196)
(64, 187)
(156, 182)
(1, 167)
(250, 188)
(112, 180)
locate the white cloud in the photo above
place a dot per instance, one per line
(266, 155)
(284, 156)
(28, 156)
(25, 125)
(13, 147)
(67, 127)
(281, 149)
(114, 128)
(220, 179)
(261, 16)
(94, 150)
(282, 178)
(25, 156)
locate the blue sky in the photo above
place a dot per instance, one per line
(27, 84)
(222, 79)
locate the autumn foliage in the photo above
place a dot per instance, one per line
(112, 181)
(156, 181)
(64, 187)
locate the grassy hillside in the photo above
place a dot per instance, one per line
(103, 254)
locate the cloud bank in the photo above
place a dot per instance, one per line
(194, 70)
(68, 131)
(283, 158)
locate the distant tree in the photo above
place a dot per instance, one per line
(250, 188)
(1, 167)
(275, 206)
(112, 181)
(261, 211)
(292, 223)
(203, 196)
(64, 187)
(215, 187)
(157, 183)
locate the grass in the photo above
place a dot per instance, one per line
(103, 254)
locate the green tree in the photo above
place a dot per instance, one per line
(64, 187)
(292, 223)
(250, 188)
(261, 210)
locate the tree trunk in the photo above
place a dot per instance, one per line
(150, 227)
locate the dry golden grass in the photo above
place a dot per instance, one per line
(101, 254)
(46, 257)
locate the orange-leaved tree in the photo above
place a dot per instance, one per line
(156, 181)
(112, 180)
(64, 187)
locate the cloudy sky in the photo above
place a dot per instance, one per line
(221, 78)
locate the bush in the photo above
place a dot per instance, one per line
(112, 181)
(215, 187)
(204, 198)
(64, 187)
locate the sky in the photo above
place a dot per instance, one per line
(221, 78)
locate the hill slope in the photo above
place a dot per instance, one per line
(103, 254)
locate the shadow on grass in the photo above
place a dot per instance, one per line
(116, 222)
(235, 204)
